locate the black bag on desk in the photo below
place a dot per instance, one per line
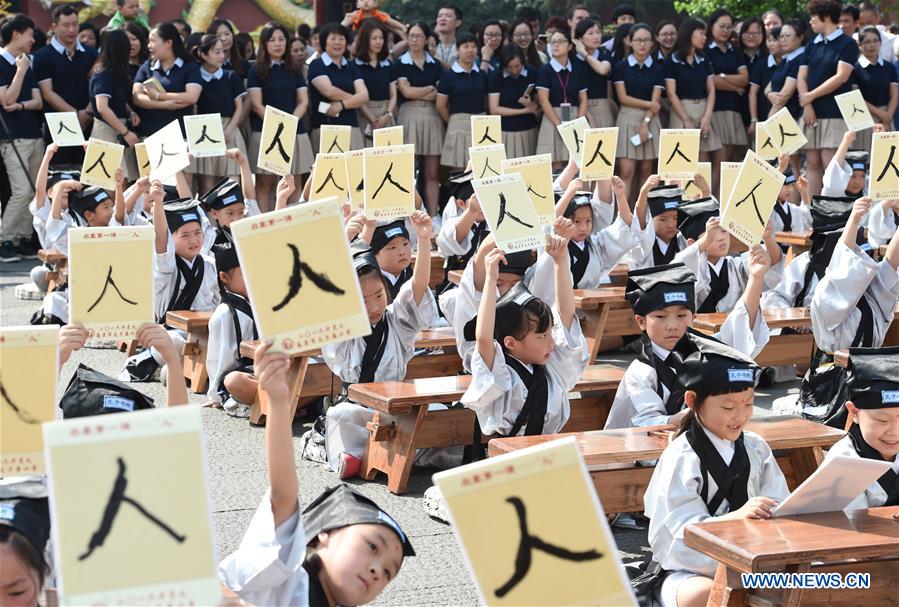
(823, 392)
(93, 393)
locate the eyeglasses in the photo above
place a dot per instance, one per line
(493, 35)
(641, 41)
(753, 34)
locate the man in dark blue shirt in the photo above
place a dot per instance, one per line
(62, 69)
(21, 145)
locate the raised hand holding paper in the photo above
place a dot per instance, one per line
(29, 361)
(537, 173)
(111, 280)
(64, 128)
(329, 178)
(334, 139)
(678, 154)
(277, 141)
(597, 160)
(167, 151)
(520, 549)
(130, 509)
(300, 278)
(883, 180)
(487, 160)
(486, 130)
(389, 182)
(205, 135)
(752, 199)
(509, 212)
(101, 159)
(572, 133)
(854, 110)
(691, 190)
(388, 136)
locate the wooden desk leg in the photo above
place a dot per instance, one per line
(594, 326)
(195, 361)
(259, 408)
(792, 596)
(296, 384)
(725, 594)
(805, 461)
(392, 450)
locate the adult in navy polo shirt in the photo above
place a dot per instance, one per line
(876, 79)
(562, 95)
(782, 88)
(63, 71)
(825, 71)
(506, 87)
(173, 67)
(731, 78)
(462, 91)
(20, 105)
(594, 63)
(377, 72)
(337, 82)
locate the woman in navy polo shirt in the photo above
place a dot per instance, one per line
(137, 52)
(179, 75)
(377, 72)
(274, 80)
(781, 90)
(759, 77)
(825, 71)
(562, 95)
(491, 38)
(638, 84)
(110, 94)
(233, 61)
(507, 86)
(877, 81)
(337, 82)
(417, 74)
(224, 94)
(690, 85)
(595, 66)
(462, 91)
(731, 77)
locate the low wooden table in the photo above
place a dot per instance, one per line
(437, 263)
(315, 380)
(797, 243)
(864, 541)
(791, 349)
(618, 275)
(611, 455)
(604, 313)
(402, 423)
(196, 324)
(58, 262)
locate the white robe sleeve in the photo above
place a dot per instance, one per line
(492, 393)
(570, 355)
(251, 208)
(852, 274)
(446, 238)
(57, 232)
(616, 241)
(602, 213)
(646, 406)
(39, 221)
(221, 358)
(737, 333)
(412, 318)
(836, 178)
(465, 307)
(784, 294)
(881, 224)
(267, 567)
(802, 217)
(697, 262)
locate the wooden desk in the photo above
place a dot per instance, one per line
(58, 263)
(193, 357)
(829, 542)
(797, 243)
(791, 349)
(311, 381)
(437, 262)
(401, 422)
(618, 275)
(604, 313)
(610, 455)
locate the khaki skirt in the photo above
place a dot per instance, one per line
(601, 112)
(695, 109)
(377, 109)
(863, 138)
(728, 126)
(104, 132)
(630, 119)
(356, 142)
(422, 127)
(520, 143)
(456, 142)
(221, 166)
(549, 141)
(302, 154)
(828, 133)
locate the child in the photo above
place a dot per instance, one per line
(720, 279)
(228, 201)
(86, 207)
(713, 470)
(183, 278)
(651, 392)
(789, 217)
(883, 221)
(874, 406)
(230, 380)
(591, 255)
(381, 356)
(342, 550)
(392, 248)
(368, 9)
(660, 239)
(24, 532)
(528, 357)
(464, 227)
(846, 172)
(855, 300)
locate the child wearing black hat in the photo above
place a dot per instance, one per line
(342, 550)
(183, 278)
(789, 217)
(463, 226)
(854, 302)
(713, 470)
(382, 355)
(528, 355)
(24, 532)
(874, 407)
(74, 206)
(651, 391)
(231, 383)
(846, 173)
(227, 201)
(391, 245)
(660, 239)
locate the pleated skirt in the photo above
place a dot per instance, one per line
(104, 132)
(456, 141)
(695, 109)
(549, 141)
(728, 126)
(221, 166)
(422, 127)
(377, 109)
(520, 143)
(630, 119)
(601, 112)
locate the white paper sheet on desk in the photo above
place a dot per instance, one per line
(831, 488)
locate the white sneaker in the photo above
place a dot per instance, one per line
(435, 504)
(29, 292)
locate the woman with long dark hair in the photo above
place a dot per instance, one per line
(522, 36)
(666, 39)
(274, 80)
(491, 37)
(377, 72)
(233, 61)
(138, 53)
(179, 75)
(110, 95)
(507, 86)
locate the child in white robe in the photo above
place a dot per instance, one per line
(661, 239)
(713, 470)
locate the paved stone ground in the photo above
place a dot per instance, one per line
(237, 477)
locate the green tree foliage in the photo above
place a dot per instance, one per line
(741, 8)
